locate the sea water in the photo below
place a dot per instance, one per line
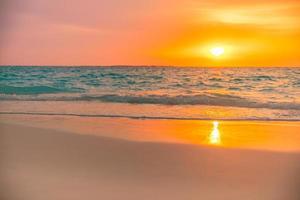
(152, 92)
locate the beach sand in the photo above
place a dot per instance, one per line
(48, 164)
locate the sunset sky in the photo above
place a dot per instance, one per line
(150, 32)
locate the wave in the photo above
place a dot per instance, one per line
(146, 117)
(210, 100)
(205, 99)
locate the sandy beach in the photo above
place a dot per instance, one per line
(42, 164)
(150, 100)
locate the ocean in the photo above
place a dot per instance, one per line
(152, 92)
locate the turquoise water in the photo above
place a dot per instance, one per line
(231, 88)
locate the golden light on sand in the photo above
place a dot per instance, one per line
(215, 137)
(217, 51)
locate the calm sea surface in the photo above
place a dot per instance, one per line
(152, 92)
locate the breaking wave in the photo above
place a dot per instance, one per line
(209, 100)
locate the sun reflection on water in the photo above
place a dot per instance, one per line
(215, 137)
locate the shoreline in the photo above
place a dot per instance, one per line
(149, 117)
(145, 111)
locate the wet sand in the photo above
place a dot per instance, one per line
(48, 163)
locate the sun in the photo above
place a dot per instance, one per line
(217, 51)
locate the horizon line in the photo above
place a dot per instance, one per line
(183, 66)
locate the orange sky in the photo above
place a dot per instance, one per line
(150, 32)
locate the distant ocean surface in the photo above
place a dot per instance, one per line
(152, 92)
